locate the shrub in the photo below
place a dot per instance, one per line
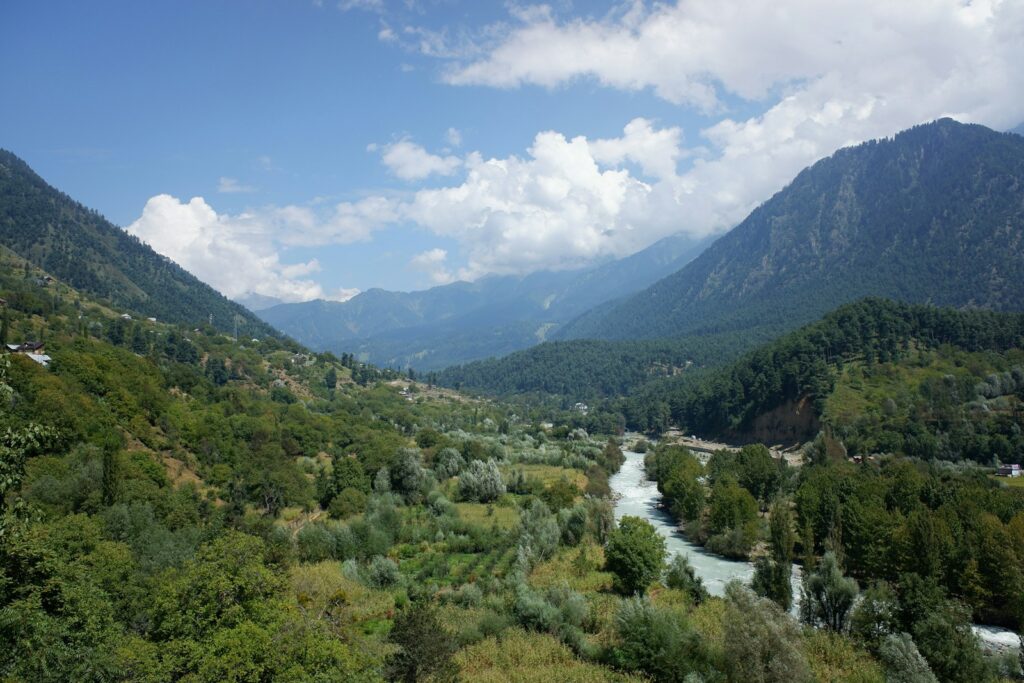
(382, 572)
(449, 463)
(681, 576)
(315, 543)
(903, 663)
(761, 642)
(827, 596)
(481, 482)
(348, 502)
(659, 642)
(635, 555)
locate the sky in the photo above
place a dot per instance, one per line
(303, 149)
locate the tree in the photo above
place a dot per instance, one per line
(658, 641)
(425, 646)
(761, 642)
(772, 575)
(903, 663)
(560, 494)
(681, 576)
(481, 482)
(635, 554)
(827, 596)
(331, 379)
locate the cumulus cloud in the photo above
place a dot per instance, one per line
(233, 186)
(822, 76)
(239, 255)
(819, 75)
(410, 161)
(432, 262)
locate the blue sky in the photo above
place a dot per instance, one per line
(342, 146)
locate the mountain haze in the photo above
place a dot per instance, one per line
(464, 321)
(932, 215)
(77, 245)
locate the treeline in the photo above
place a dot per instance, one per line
(804, 364)
(590, 369)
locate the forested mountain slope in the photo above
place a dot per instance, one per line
(463, 321)
(80, 247)
(934, 214)
(924, 381)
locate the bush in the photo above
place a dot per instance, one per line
(681, 576)
(659, 642)
(347, 503)
(903, 663)
(481, 482)
(315, 543)
(635, 555)
(382, 572)
(573, 524)
(761, 642)
(448, 463)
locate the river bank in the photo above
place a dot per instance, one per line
(635, 495)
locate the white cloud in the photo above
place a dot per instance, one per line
(692, 52)
(342, 294)
(233, 186)
(823, 76)
(432, 262)
(820, 76)
(410, 161)
(454, 137)
(239, 255)
(366, 5)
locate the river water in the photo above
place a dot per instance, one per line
(637, 496)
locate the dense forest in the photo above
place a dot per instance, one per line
(953, 389)
(889, 546)
(80, 247)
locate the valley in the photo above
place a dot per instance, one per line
(778, 479)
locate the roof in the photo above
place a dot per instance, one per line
(40, 358)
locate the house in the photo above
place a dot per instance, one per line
(152, 320)
(26, 347)
(125, 316)
(40, 358)
(1009, 470)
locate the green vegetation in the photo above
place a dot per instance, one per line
(78, 246)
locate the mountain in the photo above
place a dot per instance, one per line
(257, 302)
(77, 245)
(468, 320)
(934, 214)
(1019, 130)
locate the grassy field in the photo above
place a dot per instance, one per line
(548, 474)
(487, 515)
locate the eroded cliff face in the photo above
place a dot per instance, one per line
(788, 424)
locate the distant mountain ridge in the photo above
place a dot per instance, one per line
(464, 321)
(76, 244)
(933, 215)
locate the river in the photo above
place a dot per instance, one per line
(637, 496)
